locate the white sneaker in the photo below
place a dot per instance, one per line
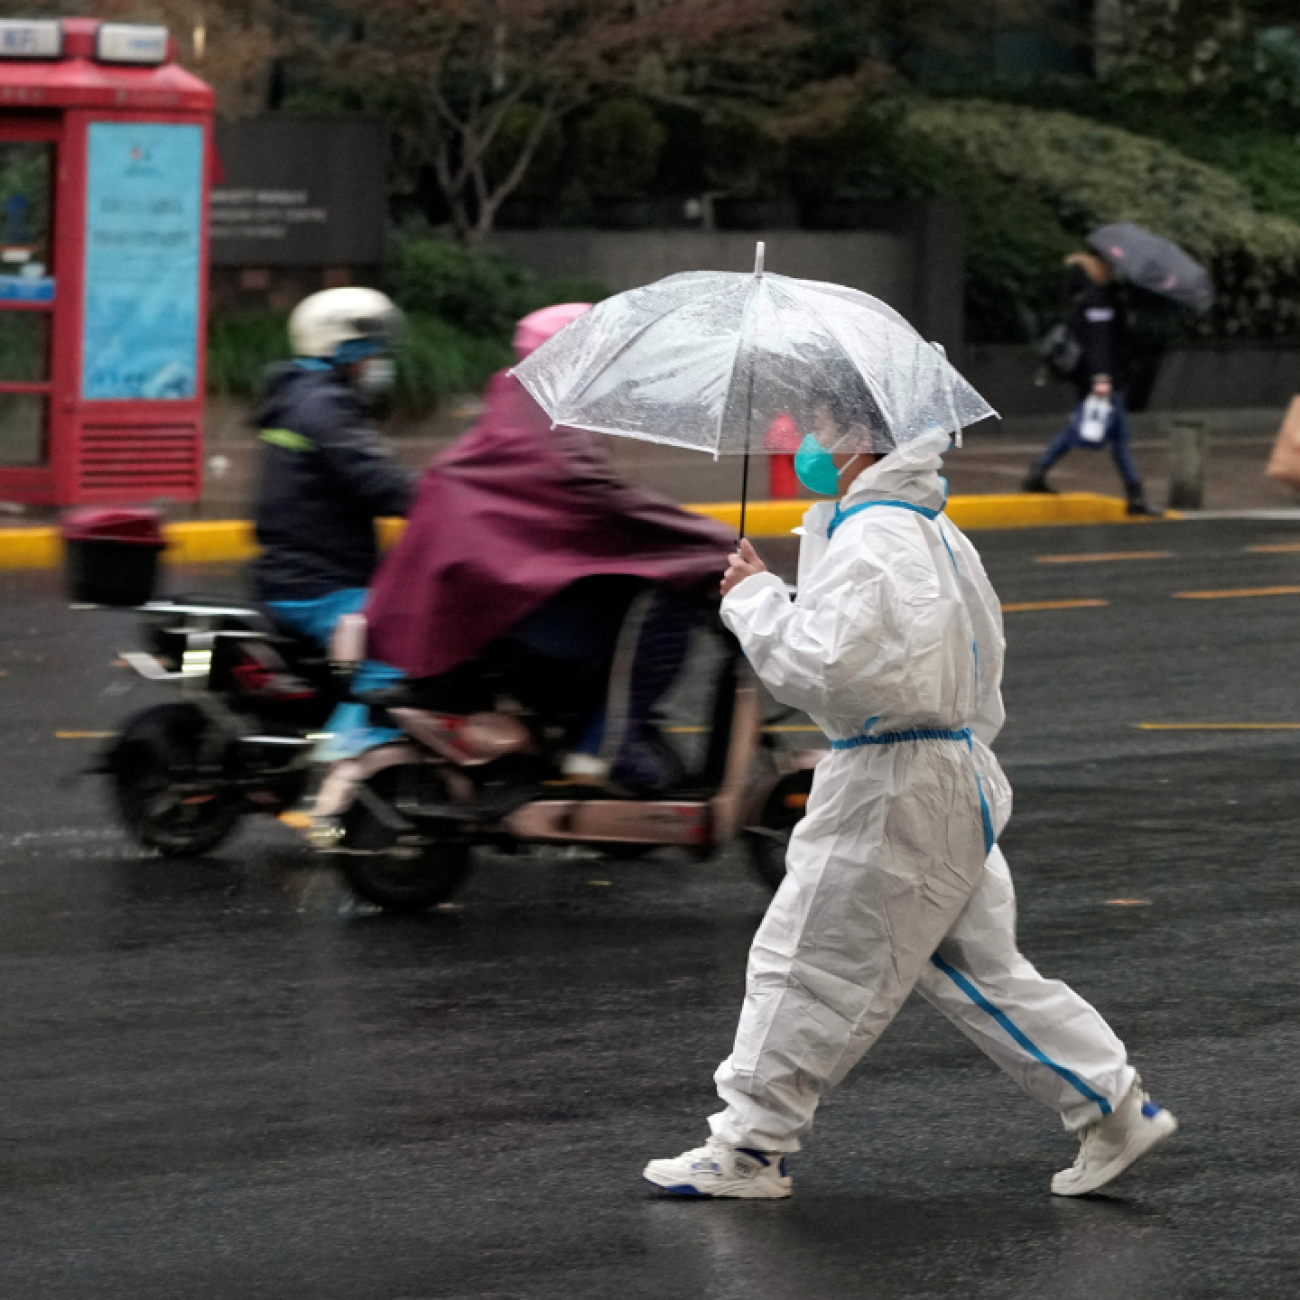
(719, 1169)
(1109, 1146)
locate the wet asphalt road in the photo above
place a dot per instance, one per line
(224, 1080)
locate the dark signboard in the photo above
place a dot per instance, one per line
(300, 192)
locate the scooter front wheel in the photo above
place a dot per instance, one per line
(383, 868)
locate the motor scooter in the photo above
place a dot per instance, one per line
(403, 819)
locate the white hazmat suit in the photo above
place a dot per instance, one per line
(894, 646)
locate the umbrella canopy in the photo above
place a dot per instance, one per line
(710, 359)
(1154, 264)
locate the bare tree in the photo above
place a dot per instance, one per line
(473, 87)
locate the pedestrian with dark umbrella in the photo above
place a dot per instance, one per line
(1098, 325)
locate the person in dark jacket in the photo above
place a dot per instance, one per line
(327, 473)
(327, 476)
(1098, 323)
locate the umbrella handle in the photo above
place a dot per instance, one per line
(744, 497)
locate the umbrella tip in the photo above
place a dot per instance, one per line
(758, 258)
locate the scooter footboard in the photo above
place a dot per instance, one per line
(683, 823)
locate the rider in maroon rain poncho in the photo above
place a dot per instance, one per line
(523, 533)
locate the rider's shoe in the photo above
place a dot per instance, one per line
(1036, 481)
(719, 1169)
(1109, 1146)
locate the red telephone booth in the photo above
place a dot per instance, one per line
(104, 163)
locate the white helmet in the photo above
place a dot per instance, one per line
(342, 325)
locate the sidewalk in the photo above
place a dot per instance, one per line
(993, 461)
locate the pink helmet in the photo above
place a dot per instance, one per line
(538, 326)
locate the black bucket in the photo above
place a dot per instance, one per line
(111, 556)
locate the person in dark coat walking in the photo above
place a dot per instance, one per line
(1098, 325)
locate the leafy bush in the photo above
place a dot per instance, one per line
(1015, 241)
(435, 360)
(241, 345)
(461, 308)
(477, 290)
(1084, 174)
(480, 291)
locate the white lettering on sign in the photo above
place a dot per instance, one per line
(41, 39)
(130, 43)
(262, 214)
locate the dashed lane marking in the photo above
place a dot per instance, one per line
(1101, 557)
(1236, 593)
(1218, 726)
(1128, 902)
(1026, 606)
(84, 735)
(1275, 548)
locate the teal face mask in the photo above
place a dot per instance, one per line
(815, 468)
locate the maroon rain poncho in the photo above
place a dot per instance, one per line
(508, 517)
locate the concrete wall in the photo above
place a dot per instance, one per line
(917, 271)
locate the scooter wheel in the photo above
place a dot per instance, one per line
(383, 871)
(767, 842)
(160, 800)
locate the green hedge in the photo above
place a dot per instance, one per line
(1076, 174)
(461, 307)
(436, 359)
(477, 290)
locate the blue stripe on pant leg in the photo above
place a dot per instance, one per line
(986, 819)
(1020, 1037)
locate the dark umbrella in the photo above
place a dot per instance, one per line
(1155, 264)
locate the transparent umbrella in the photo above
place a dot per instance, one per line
(709, 359)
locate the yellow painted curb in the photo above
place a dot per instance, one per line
(202, 542)
(215, 540)
(1012, 510)
(30, 548)
(210, 541)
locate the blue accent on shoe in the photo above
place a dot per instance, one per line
(681, 1189)
(1150, 1110)
(758, 1155)
(780, 1169)
(1021, 1038)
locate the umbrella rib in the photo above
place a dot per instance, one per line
(731, 377)
(650, 324)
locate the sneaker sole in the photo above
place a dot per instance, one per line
(739, 1191)
(1162, 1126)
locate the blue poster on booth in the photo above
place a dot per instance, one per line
(144, 190)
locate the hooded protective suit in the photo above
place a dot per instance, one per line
(894, 646)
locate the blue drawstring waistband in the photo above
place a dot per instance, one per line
(898, 737)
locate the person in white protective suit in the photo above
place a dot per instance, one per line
(894, 646)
